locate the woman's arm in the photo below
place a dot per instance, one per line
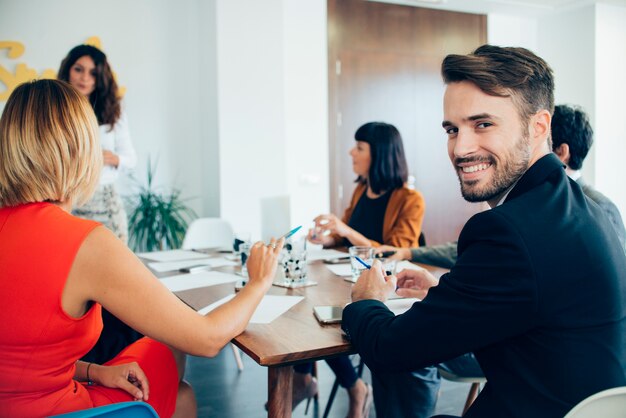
(124, 149)
(107, 272)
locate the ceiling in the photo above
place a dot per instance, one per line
(528, 8)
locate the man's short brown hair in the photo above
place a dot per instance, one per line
(504, 72)
(49, 145)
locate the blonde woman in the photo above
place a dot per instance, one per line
(57, 271)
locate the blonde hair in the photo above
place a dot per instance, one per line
(49, 145)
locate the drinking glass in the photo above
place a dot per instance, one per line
(294, 260)
(364, 253)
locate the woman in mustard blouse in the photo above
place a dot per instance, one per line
(383, 210)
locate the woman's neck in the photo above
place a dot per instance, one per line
(371, 194)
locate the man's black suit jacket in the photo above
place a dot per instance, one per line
(538, 294)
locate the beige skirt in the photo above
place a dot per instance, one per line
(106, 207)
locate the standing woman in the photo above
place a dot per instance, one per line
(86, 68)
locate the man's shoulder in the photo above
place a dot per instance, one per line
(594, 194)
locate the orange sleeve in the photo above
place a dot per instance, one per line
(403, 219)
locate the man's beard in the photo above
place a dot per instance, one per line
(513, 167)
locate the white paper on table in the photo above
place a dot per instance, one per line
(400, 306)
(270, 308)
(340, 269)
(161, 267)
(195, 280)
(407, 265)
(321, 254)
(173, 255)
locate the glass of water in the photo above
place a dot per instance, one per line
(294, 260)
(364, 253)
(244, 253)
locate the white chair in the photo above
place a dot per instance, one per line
(610, 403)
(208, 233)
(211, 233)
(474, 388)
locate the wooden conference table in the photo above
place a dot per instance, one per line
(295, 336)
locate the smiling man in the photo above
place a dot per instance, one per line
(538, 292)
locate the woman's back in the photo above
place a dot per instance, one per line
(39, 342)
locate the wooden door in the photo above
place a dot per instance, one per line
(384, 65)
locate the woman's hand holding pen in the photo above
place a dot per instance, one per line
(415, 283)
(263, 261)
(318, 236)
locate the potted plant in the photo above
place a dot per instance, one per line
(158, 220)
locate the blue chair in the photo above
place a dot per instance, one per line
(131, 409)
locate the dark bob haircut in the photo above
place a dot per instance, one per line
(571, 126)
(104, 98)
(388, 167)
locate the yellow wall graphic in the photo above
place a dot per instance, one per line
(24, 73)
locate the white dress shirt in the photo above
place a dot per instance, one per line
(117, 140)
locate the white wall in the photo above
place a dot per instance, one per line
(153, 46)
(272, 108)
(306, 108)
(568, 45)
(232, 94)
(505, 30)
(610, 115)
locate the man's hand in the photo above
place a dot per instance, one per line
(372, 284)
(415, 283)
(128, 377)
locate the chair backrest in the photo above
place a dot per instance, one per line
(275, 217)
(208, 233)
(116, 410)
(610, 403)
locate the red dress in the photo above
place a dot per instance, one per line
(39, 342)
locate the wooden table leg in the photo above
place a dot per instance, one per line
(279, 387)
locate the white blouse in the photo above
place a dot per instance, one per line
(118, 141)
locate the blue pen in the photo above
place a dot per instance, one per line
(367, 266)
(290, 233)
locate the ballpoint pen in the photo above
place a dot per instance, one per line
(290, 233)
(385, 254)
(367, 266)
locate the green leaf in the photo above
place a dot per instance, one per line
(158, 219)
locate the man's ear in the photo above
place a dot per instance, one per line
(541, 126)
(562, 151)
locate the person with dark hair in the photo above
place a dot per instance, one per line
(383, 210)
(572, 137)
(87, 69)
(538, 291)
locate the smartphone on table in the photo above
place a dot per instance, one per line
(328, 314)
